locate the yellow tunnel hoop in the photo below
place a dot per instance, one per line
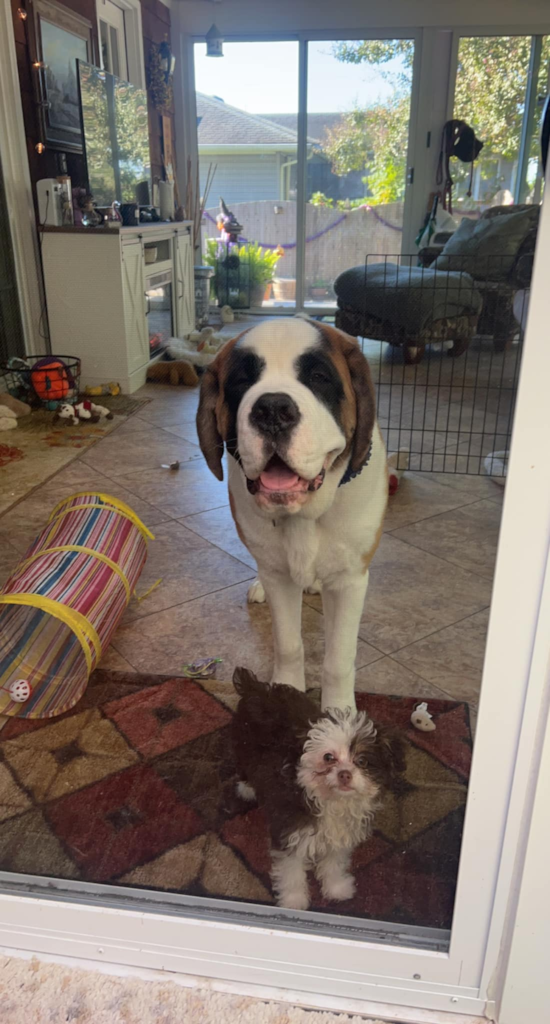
(121, 506)
(82, 629)
(87, 551)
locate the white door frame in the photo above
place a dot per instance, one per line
(503, 819)
(17, 183)
(203, 939)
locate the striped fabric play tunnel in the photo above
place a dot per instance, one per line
(61, 605)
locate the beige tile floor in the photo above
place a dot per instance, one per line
(423, 629)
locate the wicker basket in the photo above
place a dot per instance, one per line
(46, 381)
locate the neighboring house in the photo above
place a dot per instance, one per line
(256, 155)
(253, 156)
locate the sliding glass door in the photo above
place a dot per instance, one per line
(500, 87)
(358, 171)
(247, 117)
(313, 164)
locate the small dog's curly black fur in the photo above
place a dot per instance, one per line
(319, 777)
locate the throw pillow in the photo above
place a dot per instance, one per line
(487, 248)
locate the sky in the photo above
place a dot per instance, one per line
(262, 78)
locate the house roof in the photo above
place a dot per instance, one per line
(317, 124)
(221, 124)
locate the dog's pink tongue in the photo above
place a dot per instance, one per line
(279, 477)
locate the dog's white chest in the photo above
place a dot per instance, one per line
(299, 540)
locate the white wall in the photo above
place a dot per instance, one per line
(249, 17)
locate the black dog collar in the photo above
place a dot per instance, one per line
(348, 475)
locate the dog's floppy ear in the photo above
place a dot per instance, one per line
(212, 411)
(246, 683)
(359, 412)
(361, 383)
(210, 439)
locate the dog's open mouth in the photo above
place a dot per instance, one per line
(279, 479)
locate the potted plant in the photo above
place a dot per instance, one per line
(319, 289)
(242, 272)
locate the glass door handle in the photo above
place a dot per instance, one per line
(410, 176)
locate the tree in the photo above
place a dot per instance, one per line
(490, 95)
(371, 140)
(374, 139)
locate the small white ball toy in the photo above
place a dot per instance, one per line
(20, 690)
(422, 720)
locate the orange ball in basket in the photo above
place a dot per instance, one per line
(50, 381)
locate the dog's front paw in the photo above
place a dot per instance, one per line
(256, 593)
(340, 888)
(296, 899)
(331, 702)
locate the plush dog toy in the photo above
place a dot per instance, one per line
(176, 372)
(82, 411)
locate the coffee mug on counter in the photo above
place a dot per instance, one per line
(129, 214)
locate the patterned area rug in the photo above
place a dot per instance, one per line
(136, 785)
(36, 449)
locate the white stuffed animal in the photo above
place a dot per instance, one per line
(8, 420)
(422, 719)
(200, 353)
(86, 410)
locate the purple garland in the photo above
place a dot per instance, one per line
(318, 234)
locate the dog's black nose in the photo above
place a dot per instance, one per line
(274, 412)
(344, 777)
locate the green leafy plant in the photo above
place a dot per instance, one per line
(320, 199)
(240, 269)
(489, 95)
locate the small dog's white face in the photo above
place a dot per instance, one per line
(338, 758)
(291, 399)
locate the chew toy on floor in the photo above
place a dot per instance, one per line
(398, 462)
(63, 602)
(422, 719)
(173, 373)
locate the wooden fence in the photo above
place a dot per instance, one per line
(339, 239)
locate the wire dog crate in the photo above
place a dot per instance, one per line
(444, 352)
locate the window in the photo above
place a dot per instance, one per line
(113, 39)
(501, 85)
(121, 41)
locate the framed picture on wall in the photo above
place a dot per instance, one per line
(60, 38)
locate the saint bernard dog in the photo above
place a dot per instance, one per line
(292, 402)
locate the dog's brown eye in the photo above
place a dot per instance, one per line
(361, 761)
(329, 758)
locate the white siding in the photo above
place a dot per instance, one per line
(242, 178)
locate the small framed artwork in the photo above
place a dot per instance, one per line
(60, 38)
